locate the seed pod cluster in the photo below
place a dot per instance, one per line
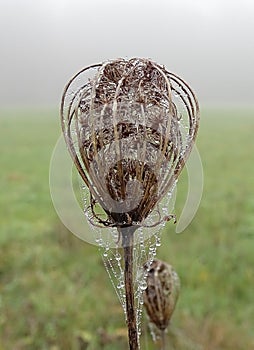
(125, 131)
(161, 294)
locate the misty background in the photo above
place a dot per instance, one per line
(209, 43)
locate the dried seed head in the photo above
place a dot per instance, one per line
(127, 135)
(161, 294)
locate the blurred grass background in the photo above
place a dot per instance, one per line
(54, 290)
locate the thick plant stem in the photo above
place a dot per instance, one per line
(163, 340)
(127, 239)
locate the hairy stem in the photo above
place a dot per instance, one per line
(127, 236)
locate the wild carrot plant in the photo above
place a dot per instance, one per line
(160, 298)
(129, 126)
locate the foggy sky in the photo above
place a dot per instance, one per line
(209, 43)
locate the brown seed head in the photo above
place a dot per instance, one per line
(124, 130)
(161, 294)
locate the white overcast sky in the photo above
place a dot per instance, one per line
(210, 43)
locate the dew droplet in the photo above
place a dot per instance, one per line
(118, 256)
(120, 285)
(143, 285)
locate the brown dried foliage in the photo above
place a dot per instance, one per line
(127, 110)
(161, 294)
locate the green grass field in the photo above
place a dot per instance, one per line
(54, 290)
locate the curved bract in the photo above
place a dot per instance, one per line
(130, 126)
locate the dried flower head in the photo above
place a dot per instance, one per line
(161, 294)
(124, 130)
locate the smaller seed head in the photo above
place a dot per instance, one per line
(161, 294)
